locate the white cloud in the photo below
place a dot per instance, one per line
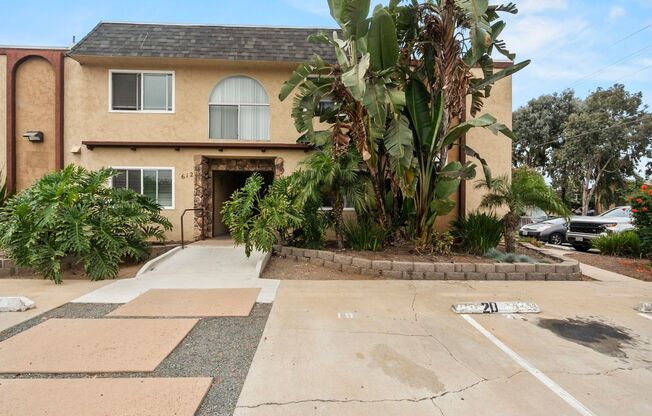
(536, 6)
(541, 35)
(616, 12)
(317, 7)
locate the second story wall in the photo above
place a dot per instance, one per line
(87, 115)
(3, 117)
(35, 96)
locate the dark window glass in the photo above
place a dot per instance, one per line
(120, 180)
(126, 91)
(133, 180)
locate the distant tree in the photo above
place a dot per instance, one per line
(607, 138)
(538, 127)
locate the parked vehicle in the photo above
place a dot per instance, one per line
(552, 230)
(583, 230)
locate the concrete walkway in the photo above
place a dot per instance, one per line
(594, 272)
(395, 348)
(44, 293)
(198, 266)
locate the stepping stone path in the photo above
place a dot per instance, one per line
(114, 344)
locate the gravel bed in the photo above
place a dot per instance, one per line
(221, 347)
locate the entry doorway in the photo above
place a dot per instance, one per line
(224, 184)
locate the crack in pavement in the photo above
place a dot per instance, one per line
(441, 343)
(441, 412)
(602, 373)
(414, 299)
(408, 400)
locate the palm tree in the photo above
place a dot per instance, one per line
(526, 190)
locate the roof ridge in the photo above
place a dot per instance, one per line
(211, 25)
(229, 42)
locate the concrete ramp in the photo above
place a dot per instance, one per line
(195, 267)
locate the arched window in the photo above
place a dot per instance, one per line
(239, 109)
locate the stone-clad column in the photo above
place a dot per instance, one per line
(203, 198)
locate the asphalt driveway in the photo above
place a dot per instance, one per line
(394, 347)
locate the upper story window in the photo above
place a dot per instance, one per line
(238, 109)
(141, 91)
(155, 183)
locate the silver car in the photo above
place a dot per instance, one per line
(582, 230)
(552, 230)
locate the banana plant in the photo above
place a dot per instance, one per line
(367, 101)
(441, 43)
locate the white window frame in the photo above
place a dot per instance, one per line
(142, 93)
(238, 105)
(142, 168)
(330, 208)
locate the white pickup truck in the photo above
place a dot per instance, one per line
(582, 230)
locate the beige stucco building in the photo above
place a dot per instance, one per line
(185, 113)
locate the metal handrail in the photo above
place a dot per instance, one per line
(183, 245)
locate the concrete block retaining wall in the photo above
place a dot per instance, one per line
(568, 269)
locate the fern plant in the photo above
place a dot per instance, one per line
(74, 213)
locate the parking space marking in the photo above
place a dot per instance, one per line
(545, 380)
(645, 315)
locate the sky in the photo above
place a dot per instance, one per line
(578, 44)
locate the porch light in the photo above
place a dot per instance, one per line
(34, 136)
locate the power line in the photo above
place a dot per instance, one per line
(630, 35)
(634, 73)
(636, 32)
(640, 118)
(610, 127)
(625, 58)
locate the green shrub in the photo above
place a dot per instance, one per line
(500, 257)
(626, 244)
(312, 232)
(641, 202)
(258, 219)
(73, 213)
(441, 243)
(365, 234)
(477, 232)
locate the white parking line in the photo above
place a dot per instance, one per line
(646, 315)
(554, 387)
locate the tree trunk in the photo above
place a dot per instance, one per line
(380, 201)
(585, 197)
(510, 224)
(338, 217)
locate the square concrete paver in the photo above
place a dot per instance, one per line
(93, 345)
(103, 396)
(191, 303)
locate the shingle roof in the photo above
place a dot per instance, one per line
(235, 43)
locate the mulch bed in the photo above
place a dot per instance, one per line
(127, 271)
(286, 269)
(407, 252)
(637, 268)
(222, 348)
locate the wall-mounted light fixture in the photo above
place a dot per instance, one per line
(34, 136)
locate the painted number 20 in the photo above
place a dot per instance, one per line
(489, 307)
